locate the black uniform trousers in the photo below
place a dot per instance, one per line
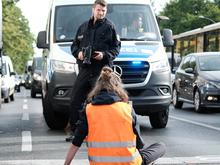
(84, 83)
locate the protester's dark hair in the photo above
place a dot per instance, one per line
(111, 82)
(100, 2)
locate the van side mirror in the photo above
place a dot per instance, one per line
(29, 68)
(168, 38)
(41, 40)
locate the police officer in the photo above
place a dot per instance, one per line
(96, 45)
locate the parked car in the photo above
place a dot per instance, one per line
(8, 79)
(18, 82)
(36, 76)
(197, 81)
(27, 74)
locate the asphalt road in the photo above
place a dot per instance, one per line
(190, 138)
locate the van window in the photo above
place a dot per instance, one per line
(67, 20)
(131, 21)
(4, 69)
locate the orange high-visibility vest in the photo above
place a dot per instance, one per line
(111, 139)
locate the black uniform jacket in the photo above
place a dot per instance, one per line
(102, 98)
(101, 36)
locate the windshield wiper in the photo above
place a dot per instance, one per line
(65, 40)
(131, 39)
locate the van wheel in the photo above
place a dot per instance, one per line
(54, 119)
(159, 119)
(12, 98)
(175, 99)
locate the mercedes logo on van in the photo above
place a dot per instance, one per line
(118, 70)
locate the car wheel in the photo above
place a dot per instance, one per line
(6, 100)
(12, 98)
(19, 89)
(175, 99)
(159, 119)
(197, 101)
(33, 93)
(54, 119)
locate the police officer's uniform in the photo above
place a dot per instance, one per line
(101, 36)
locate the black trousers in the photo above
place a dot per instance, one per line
(85, 81)
(151, 153)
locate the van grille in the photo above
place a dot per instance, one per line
(132, 73)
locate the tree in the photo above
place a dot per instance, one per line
(17, 38)
(184, 15)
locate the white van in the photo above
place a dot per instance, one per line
(142, 59)
(8, 79)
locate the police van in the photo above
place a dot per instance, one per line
(142, 60)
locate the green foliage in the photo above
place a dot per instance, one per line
(184, 14)
(17, 38)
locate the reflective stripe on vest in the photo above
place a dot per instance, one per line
(111, 144)
(116, 159)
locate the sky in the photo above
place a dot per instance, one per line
(36, 11)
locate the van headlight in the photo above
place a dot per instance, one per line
(37, 77)
(4, 83)
(62, 66)
(160, 66)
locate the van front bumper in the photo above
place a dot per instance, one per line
(60, 89)
(153, 97)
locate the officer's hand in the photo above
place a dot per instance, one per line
(98, 55)
(80, 56)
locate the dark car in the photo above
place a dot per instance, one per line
(197, 81)
(27, 75)
(36, 76)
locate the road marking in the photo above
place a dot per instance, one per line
(43, 162)
(25, 106)
(209, 159)
(196, 123)
(26, 141)
(205, 160)
(25, 100)
(25, 116)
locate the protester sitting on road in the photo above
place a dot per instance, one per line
(110, 127)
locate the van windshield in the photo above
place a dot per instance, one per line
(133, 22)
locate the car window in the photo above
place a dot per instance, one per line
(193, 63)
(4, 69)
(186, 63)
(209, 63)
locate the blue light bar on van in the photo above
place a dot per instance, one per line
(136, 63)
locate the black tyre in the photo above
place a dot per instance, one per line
(197, 101)
(6, 100)
(175, 99)
(54, 119)
(159, 119)
(19, 89)
(33, 93)
(12, 98)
